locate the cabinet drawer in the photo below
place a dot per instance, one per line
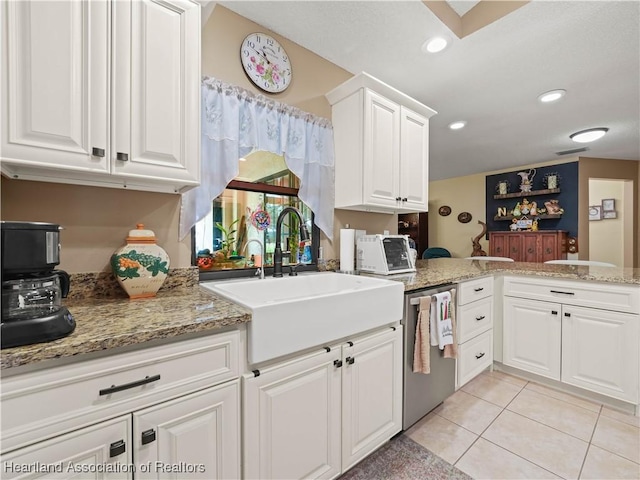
(54, 401)
(616, 297)
(475, 290)
(474, 318)
(474, 356)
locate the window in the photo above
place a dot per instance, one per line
(227, 242)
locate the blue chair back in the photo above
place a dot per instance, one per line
(436, 252)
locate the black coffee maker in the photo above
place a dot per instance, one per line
(32, 290)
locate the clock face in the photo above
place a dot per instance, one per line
(265, 62)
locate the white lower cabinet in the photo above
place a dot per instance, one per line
(100, 451)
(597, 349)
(195, 436)
(170, 411)
(600, 351)
(317, 415)
(532, 336)
(475, 328)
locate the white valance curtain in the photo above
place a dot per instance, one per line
(236, 122)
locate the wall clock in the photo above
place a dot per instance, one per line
(266, 62)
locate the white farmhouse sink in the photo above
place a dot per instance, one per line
(290, 314)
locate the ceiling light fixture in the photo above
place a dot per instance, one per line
(589, 135)
(435, 45)
(552, 96)
(457, 125)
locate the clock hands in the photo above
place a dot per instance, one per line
(264, 55)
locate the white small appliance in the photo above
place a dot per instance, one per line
(384, 254)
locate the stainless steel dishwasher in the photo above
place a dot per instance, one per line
(423, 392)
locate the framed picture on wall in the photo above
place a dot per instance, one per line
(595, 212)
(609, 214)
(608, 205)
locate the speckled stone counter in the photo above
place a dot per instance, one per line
(439, 271)
(106, 323)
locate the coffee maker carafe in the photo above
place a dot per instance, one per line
(32, 290)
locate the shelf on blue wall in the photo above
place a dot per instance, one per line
(527, 194)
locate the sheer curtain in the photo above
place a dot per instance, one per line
(235, 122)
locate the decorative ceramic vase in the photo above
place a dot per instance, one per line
(140, 266)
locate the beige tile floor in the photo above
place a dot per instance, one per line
(502, 427)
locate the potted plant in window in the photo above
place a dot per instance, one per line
(228, 238)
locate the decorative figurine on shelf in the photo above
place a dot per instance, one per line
(477, 248)
(525, 207)
(527, 180)
(516, 210)
(502, 187)
(553, 207)
(551, 181)
(514, 225)
(534, 225)
(534, 209)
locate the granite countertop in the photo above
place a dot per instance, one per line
(106, 323)
(439, 271)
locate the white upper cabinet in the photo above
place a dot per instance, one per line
(382, 147)
(102, 93)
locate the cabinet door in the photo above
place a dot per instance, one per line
(600, 351)
(292, 419)
(156, 107)
(553, 246)
(514, 247)
(381, 150)
(498, 246)
(371, 394)
(530, 248)
(532, 336)
(414, 160)
(200, 431)
(101, 451)
(54, 85)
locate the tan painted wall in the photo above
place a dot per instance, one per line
(463, 194)
(606, 236)
(96, 220)
(604, 168)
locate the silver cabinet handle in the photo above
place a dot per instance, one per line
(97, 152)
(123, 157)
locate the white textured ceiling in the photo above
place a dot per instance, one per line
(490, 78)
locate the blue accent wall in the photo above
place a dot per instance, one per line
(567, 198)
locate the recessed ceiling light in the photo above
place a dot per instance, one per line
(457, 125)
(552, 96)
(589, 135)
(435, 45)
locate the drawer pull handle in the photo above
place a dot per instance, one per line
(148, 436)
(479, 356)
(563, 293)
(567, 314)
(479, 289)
(123, 157)
(126, 386)
(554, 312)
(117, 448)
(97, 152)
(482, 317)
(337, 363)
(350, 360)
